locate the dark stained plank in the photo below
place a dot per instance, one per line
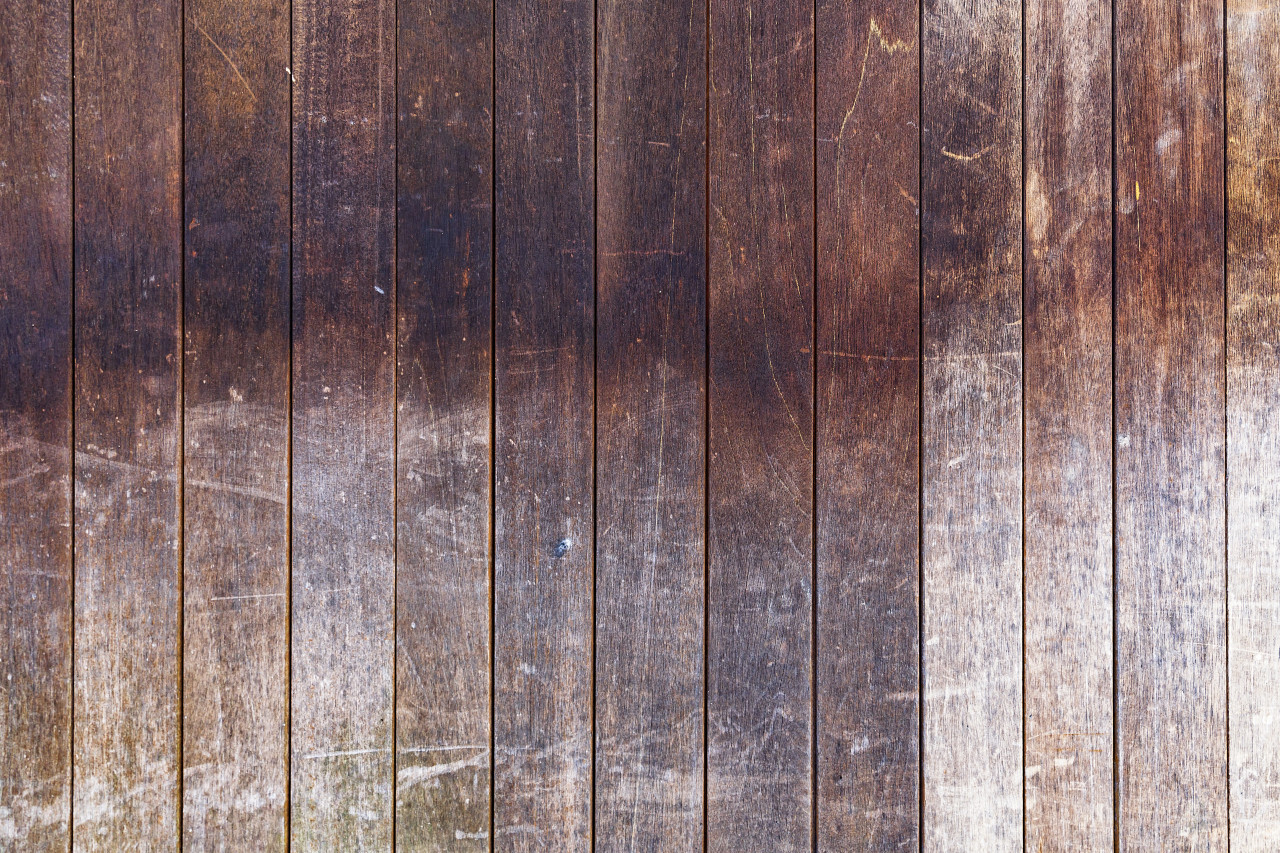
(1170, 461)
(35, 425)
(543, 444)
(236, 413)
(343, 636)
(444, 295)
(1067, 299)
(760, 486)
(650, 435)
(1253, 420)
(128, 266)
(972, 400)
(868, 477)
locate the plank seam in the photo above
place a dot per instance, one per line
(71, 734)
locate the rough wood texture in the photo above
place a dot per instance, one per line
(343, 636)
(1253, 421)
(1067, 299)
(543, 446)
(651, 425)
(1170, 454)
(35, 426)
(972, 235)
(760, 487)
(128, 263)
(236, 411)
(444, 297)
(868, 477)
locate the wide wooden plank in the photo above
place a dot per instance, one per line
(128, 267)
(1253, 421)
(1067, 300)
(444, 296)
(650, 444)
(543, 443)
(972, 400)
(235, 683)
(35, 425)
(343, 546)
(760, 479)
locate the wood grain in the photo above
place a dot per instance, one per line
(760, 486)
(444, 297)
(236, 414)
(543, 445)
(972, 399)
(1068, 613)
(35, 426)
(650, 446)
(128, 265)
(343, 636)
(868, 475)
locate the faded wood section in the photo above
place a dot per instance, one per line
(868, 384)
(236, 413)
(760, 487)
(1170, 461)
(128, 267)
(35, 425)
(543, 444)
(972, 399)
(1068, 731)
(1253, 421)
(343, 654)
(444, 295)
(650, 439)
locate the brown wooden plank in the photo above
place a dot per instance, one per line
(444, 295)
(1068, 568)
(760, 478)
(1253, 421)
(35, 426)
(650, 555)
(972, 400)
(343, 636)
(868, 477)
(236, 414)
(128, 265)
(543, 445)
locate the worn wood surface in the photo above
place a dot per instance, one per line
(868, 383)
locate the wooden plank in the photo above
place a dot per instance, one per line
(236, 413)
(868, 476)
(1253, 421)
(972, 400)
(444, 296)
(1170, 443)
(35, 426)
(651, 410)
(128, 267)
(760, 487)
(1067, 300)
(543, 446)
(343, 634)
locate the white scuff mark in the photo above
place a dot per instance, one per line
(410, 776)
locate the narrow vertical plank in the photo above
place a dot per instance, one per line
(343, 637)
(1170, 460)
(972, 249)
(868, 477)
(650, 444)
(760, 485)
(128, 266)
(236, 414)
(543, 445)
(444, 295)
(1068, 616)
(1253, 421)
(35, 425)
